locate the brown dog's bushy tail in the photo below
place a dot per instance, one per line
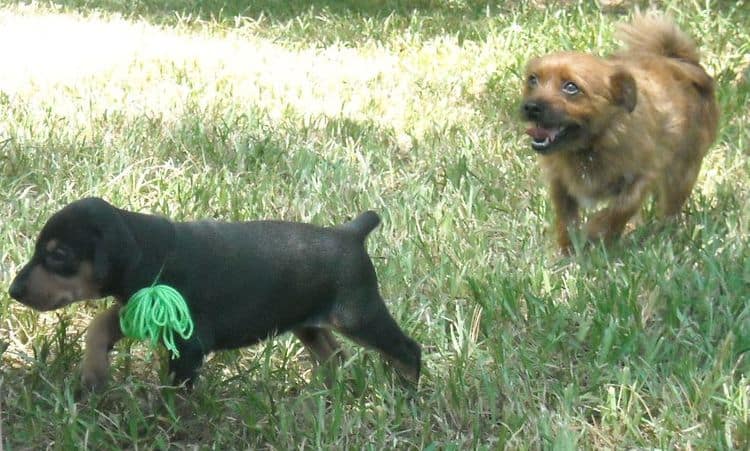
(363, 224)
(655, 33)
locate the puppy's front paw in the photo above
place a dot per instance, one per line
(93, 376)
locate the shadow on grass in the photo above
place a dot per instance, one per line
(168, 11)
(329, 21)
(222, 10)
(324, 22)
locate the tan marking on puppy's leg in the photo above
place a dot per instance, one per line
(104, 331)
(338, 352)
(323, 347)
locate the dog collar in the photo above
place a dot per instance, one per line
(154, 313)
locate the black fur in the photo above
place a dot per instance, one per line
(243, 282)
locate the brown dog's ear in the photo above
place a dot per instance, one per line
(624, 92)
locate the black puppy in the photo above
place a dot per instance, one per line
(243, 282)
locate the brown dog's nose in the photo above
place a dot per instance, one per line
(532, 110)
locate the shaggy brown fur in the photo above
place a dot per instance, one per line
(619, 128)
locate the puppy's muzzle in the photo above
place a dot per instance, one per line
(18, 287)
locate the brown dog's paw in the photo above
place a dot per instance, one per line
(601, 228)
(569, 238)
(565, 245)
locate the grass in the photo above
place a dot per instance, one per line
(316, 110)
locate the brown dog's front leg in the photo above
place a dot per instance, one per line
(104, 331)
(608, 224)
(566, 214)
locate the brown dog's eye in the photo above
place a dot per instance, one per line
(532, 81)
(570, 88)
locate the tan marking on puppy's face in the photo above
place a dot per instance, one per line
(571, 97)
(51, 245)
(55, 277)
(47, 290)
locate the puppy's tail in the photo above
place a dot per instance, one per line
(362, 225)
(655, 33)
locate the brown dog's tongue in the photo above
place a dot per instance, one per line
(540, 134)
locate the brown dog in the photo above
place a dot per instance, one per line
(617, 129)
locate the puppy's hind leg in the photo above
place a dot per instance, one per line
(365, 319)
(323, 347)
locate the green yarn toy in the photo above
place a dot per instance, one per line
(158, 311)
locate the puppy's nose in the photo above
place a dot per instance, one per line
(532, 110)
(17, 289)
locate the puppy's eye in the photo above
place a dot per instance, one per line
(56, 256)
(532, 81)
(570, 88)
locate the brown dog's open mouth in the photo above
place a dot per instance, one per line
(543, 139)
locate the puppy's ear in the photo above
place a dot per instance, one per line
(115, 248)
(624, 92)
